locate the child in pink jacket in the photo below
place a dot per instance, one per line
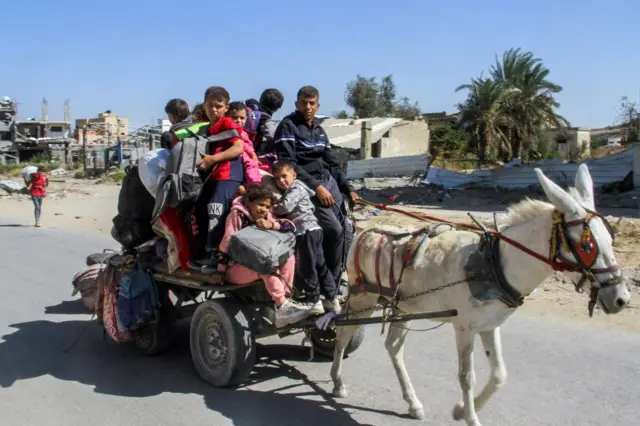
(238, 113)
(254, 207)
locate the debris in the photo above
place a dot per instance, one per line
(11, 186)
(58, 172)
(78, 217)
(58, 214)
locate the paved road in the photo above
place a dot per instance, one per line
(560, 374)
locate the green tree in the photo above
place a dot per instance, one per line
(341, 114)
(448, 139)
(361, 94)
(407, 110)
(629, 120)
(529, 97)
(386, 97)
(481, 115)
(505, 112)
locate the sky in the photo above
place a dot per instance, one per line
(133, 56)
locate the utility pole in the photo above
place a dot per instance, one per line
(84, 150)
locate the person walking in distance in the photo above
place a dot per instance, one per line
(38, 190)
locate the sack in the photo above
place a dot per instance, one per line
(137, 299)
(106, 305)
(151, 169)
(86, 282)
(27, 172)
(182, 180)
(262, 251)
(132, 224)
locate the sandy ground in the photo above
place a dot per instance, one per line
(87, 207)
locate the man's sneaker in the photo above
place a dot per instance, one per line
(331, 305)
(210, 265)
(316, 308)
(38, 225)
(289, 313)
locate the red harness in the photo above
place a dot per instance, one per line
(408, 254)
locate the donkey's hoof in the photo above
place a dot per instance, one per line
(340, 392)
(416, 413)
(458, 411)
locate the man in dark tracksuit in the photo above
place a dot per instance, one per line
(301, 139)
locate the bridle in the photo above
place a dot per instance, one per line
(585, 253)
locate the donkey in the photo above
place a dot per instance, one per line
(537, 238)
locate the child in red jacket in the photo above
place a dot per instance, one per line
(38, 190)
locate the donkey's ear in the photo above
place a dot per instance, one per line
(584, 186)
(558, 196)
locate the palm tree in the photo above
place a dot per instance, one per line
(482, 115)
(506, 111)
(529, 99)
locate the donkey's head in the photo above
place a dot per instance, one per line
(582, 241)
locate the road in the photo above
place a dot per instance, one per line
(559, 373)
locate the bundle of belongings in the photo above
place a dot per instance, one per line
(156, 205)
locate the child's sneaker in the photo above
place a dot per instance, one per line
(316, 308)
(210, 264)
(289, 313)
(331, 305)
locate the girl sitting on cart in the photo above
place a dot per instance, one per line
(254, 207)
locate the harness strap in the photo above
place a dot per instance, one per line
(381, 241)
(392, 278)
(356, 261)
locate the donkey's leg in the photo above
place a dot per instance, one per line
(343, 336)
(395, 346)
(493, 349)
(466, 375)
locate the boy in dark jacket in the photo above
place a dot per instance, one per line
(301, 139)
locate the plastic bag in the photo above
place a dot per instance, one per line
(151, 168)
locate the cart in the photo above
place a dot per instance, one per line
(226, 320)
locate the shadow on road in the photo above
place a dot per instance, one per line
(36, 349)
(68, 307)
(11, 225)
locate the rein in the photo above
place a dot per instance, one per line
(585, 252)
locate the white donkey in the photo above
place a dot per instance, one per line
(581, 244)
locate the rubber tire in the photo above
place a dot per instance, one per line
(238, 338)
(153, 340)
(323, 347)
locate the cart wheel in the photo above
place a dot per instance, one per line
(223, 347)
(324, 341)
(153, 339)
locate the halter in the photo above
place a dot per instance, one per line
(584, 251)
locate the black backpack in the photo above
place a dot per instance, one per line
(132, 224)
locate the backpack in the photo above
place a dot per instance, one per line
(132, 224)
(138, 301)
(253, 121)
(182, 180)
(261, 250)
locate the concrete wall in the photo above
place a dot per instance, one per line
(405, 138)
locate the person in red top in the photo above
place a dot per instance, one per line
(38, 190)
(226, 173)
